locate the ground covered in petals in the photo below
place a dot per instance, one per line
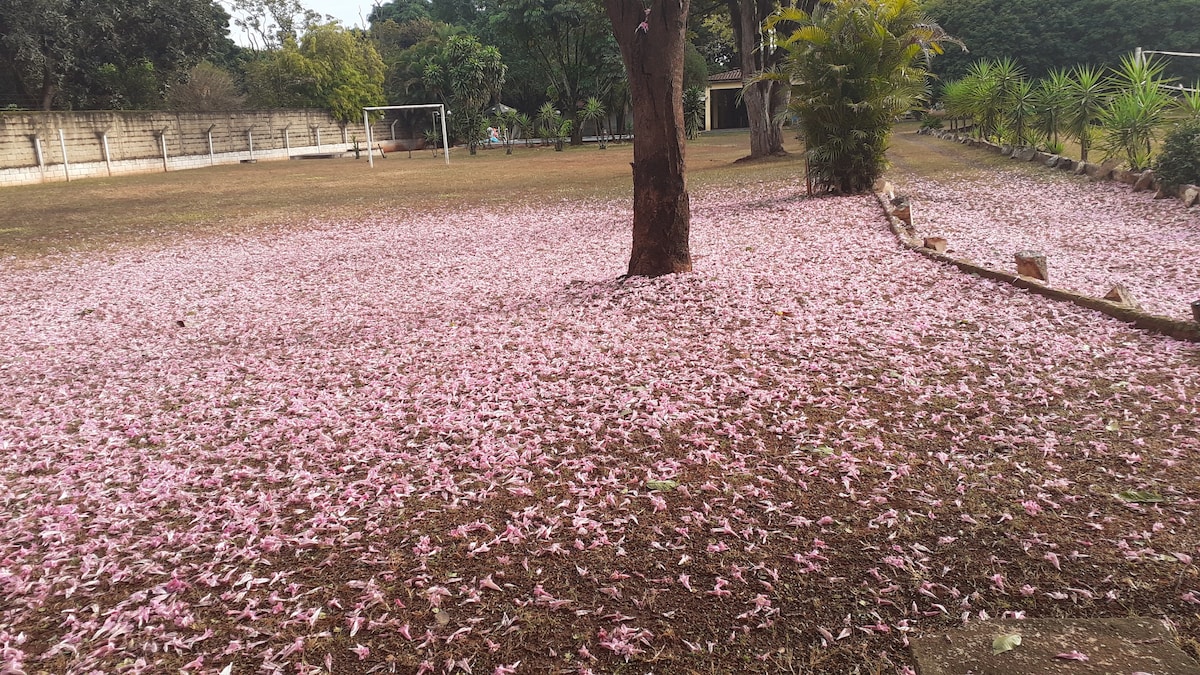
(1094, 235)
(457, 443)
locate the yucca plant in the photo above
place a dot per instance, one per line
(1134, 116)
(854, 65)
(1087, 96)
(593, 111)
(1050, 103)
(1187, 106)
(955, 101)
(1021, 112)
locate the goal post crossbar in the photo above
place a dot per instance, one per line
(441, 109)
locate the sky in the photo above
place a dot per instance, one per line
(350, 12)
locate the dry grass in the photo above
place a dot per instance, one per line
(126, 210)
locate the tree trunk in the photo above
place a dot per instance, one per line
(654, 63)
(765, 101)
(48, 88)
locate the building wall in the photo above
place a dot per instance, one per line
(135, 140)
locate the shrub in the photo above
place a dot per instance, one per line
(1179, 162)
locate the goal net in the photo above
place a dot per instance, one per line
(438, 108)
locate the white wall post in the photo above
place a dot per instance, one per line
(250, 139)
(287, 142)
(212, 156)
(318, 130)
(62, 144)
(107, 155)
(162, 139)
(41, 159)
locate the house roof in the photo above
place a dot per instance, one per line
(734, 75)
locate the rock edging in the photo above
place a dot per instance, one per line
(1188, 331)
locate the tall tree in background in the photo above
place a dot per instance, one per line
(73, 53)
(651, 39)
(331, 68)
(757, 54)
(1062, 34)
(567, 39)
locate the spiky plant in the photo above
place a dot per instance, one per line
(854, 65)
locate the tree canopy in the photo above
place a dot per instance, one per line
(103, 53)
(1043, 36)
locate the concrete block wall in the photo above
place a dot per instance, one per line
(135, 140)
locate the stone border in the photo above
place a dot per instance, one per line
(1188, 331)
(1188, 194)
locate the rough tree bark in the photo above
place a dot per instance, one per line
(764, 100)
(653, 56)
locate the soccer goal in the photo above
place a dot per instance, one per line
(441, 110)
(1140, 55)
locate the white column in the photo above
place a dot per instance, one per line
(162, 138)
(318, 139)
(250, 138)
(41, 159)
(212, 156)
(62, 144)
(107, 154)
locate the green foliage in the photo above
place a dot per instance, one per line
(565, 47)
(693, 111)
(1050, 104)
(1060, 34)
(466, 76)
(854, 65)
(1179, 161)
(330, 68)
(399, 11)
(593, 111)
(102, 53)
(552, 125)
(1133, 116)
(269, 24)
(695, 68)
(1087, 94)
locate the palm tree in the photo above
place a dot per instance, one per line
(854, 65)
(1086, 97)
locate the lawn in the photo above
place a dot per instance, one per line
(421, 426)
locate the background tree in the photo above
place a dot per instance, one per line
(855, 65)
(399, 11)
(268, 24)
(102, 53)
(1064, 33)
(206, 89)
(466, 76)
(567, 40)
(331, 68)
(651, 39)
